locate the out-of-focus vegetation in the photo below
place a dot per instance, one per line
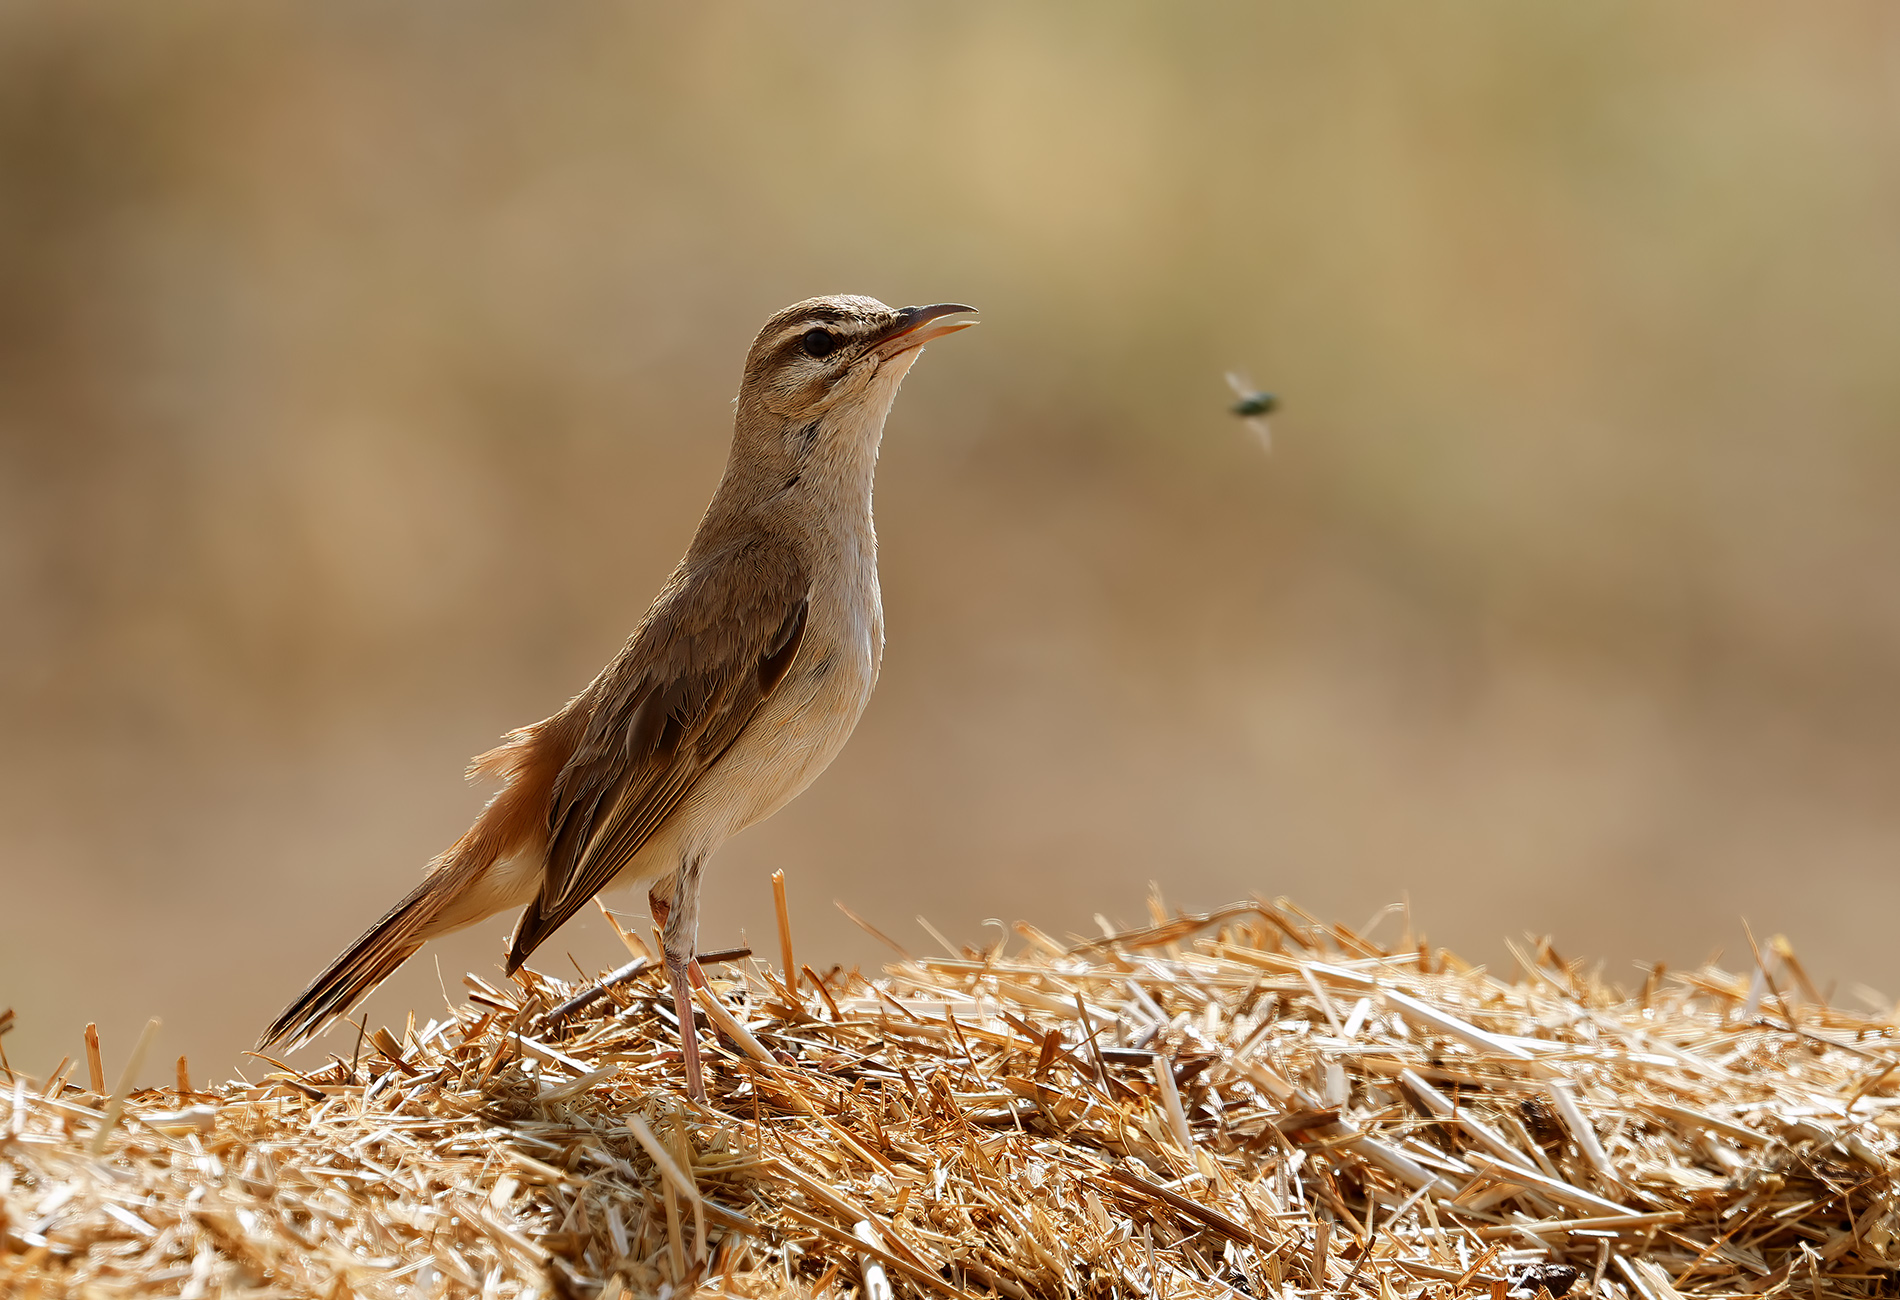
(363, 369)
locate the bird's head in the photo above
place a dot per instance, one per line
(825, 371)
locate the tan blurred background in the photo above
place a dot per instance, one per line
(364, 368)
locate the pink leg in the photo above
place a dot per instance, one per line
(679, 932)
(676, 975)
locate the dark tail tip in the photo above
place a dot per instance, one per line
(332, 995)
(534, 926)
(354, 975)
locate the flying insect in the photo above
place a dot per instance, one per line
(1253, 406)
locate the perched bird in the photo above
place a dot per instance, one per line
(738, 688)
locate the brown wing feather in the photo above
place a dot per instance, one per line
(714, 647)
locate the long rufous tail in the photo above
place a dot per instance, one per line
(366, 963)
(463, 886)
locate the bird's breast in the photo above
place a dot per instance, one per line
(837, 667)
(801, 727)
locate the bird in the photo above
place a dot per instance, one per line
(739, 686)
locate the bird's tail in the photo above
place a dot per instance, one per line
(355, 974)
(495, 866)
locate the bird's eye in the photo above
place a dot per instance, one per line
(819, 343)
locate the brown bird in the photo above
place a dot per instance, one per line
(738, 688)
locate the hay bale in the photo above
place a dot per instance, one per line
(1243, 1103)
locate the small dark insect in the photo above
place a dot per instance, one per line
(1254, 406)
(1526, 1280)
(1541, 1120)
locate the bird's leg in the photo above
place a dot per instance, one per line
(689, 1032)
(659, 906)
(680, 937)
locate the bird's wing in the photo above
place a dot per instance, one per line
(717, 643)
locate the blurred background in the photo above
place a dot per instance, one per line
(365, 368)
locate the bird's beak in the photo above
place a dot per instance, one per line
(913, 328)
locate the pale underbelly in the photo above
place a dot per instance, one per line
(792, 740)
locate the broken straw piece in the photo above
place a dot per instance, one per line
(1486, 1136)
(1470, 1035)
(1580, 1129)
(1555, 1188)
(876, 1285)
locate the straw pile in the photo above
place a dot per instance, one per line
(1245, 1103)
